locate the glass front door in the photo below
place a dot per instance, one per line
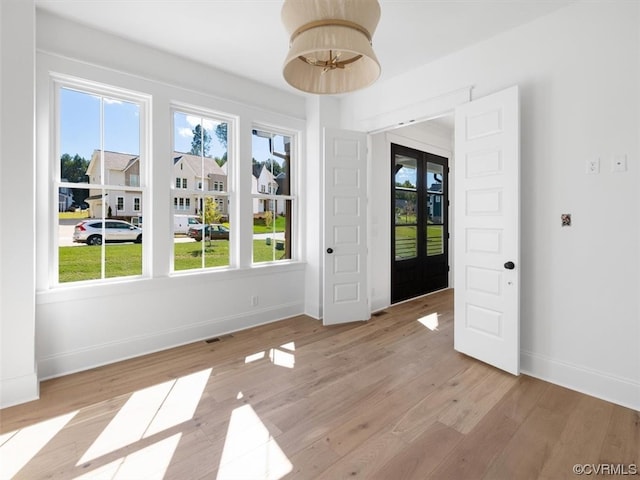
(420, 223)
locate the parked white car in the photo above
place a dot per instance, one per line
(91, 232)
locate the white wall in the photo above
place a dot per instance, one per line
(81, 327)
(18, 377)
(578, 71)
(321, 112)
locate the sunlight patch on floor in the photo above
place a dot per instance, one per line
(19, 447)
(283, 356)
(150, 411)
(430, 321)
(149, 463)
(250, 451)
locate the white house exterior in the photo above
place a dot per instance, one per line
(119, 169)
(192, 175)
(263, 181)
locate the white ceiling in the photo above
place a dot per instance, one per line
(247, 38)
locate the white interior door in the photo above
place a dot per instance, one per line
(487, 244)
(345, 227)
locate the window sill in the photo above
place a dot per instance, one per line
(136, 285)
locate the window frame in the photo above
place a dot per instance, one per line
(57, 82)
(202, 185)
(293, 197)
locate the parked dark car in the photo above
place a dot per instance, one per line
(212, 231)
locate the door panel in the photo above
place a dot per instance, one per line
(345, 229)
(487, 291)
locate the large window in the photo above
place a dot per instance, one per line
(273, 202)
(200, 193)
(100, 182)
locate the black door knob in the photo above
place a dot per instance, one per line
(329, 250)
(509, 265)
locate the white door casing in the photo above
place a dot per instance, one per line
(487, 230)
(345, 227)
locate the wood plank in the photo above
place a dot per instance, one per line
(388, 398)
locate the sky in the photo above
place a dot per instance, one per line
(80, 129)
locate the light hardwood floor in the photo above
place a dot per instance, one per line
(387, 399)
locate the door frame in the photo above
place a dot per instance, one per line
(423, 159)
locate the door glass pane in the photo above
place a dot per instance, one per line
(435, 177)
(435, 240)
(406, 242)
(406, 196)
(406, 172)
(406, 204)
(435, 209)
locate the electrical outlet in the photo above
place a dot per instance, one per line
(254, 301)
(593, 166)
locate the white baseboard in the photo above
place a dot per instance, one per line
(92, 356)
(621, 391)
(19, 390)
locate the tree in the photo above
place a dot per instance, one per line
(274, 167)
(211, 211)
(74, 169)
(201, 143)
(221, 133)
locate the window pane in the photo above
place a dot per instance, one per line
(79, 133)
(406, 242)
(121, 131)
(199, 164)
(86, 243)
(99, 143)
(272, 232)
(271, 158)
(435, 240)
(271, 216)
(206, 245)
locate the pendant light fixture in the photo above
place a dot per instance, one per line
(330, 48)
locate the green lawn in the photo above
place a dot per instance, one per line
(279, 226)
(406, 241)
(121, 260)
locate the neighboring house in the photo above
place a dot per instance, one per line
(265, 183)
(191, 174)
(124, 169)
(119, 169)
(65, 198)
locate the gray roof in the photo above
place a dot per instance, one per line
(121, 161)
(210, 166)
(114, 160)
